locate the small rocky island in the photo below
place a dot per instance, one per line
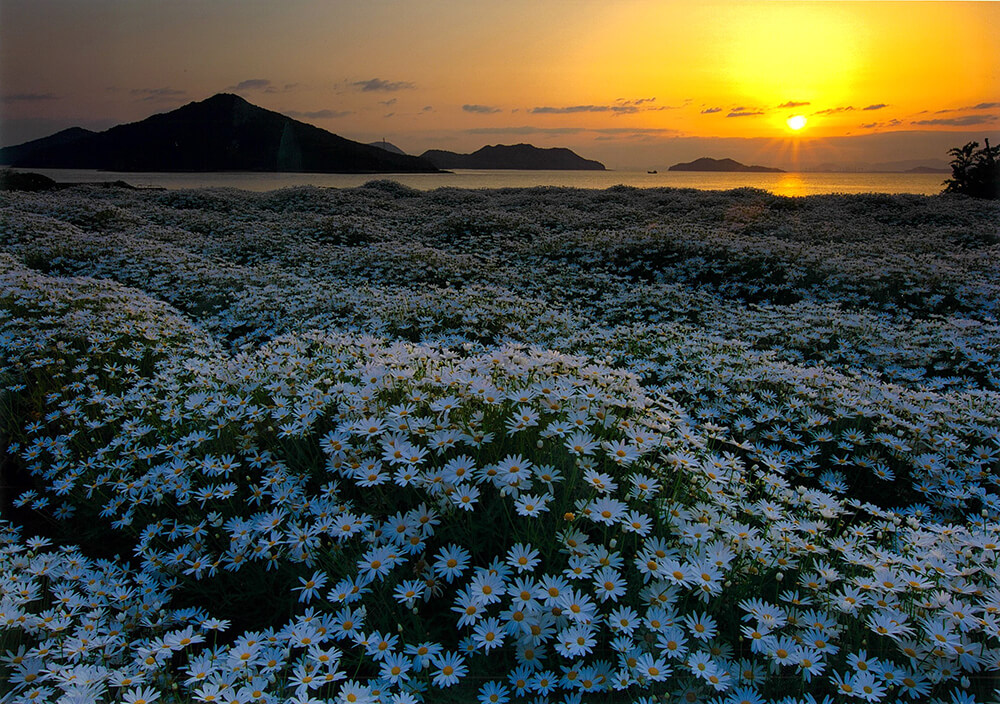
(709, 164)
(513, 156)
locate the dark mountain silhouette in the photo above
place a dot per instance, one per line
(927, 170)
(9, 155)
(513, 156)
(708, 164)
(222, 133)
(388, 146)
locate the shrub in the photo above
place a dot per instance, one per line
(975, 173)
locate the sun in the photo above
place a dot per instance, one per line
(796, 122)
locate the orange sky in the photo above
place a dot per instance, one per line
(622, 81)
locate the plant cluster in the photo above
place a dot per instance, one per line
(535, 445)
(975, 172)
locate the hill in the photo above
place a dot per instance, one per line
(709, 164)
(222, 133)
(10, 155)
(513, 156)
(388, 146)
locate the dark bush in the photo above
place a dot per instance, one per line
(975, 173)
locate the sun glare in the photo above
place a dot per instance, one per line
(796, 122)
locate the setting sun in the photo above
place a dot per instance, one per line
(796, 122)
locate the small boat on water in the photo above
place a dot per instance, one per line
(651, 172)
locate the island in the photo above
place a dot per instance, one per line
(221, 133)
(926, 170)
(709, 164)
(513, 156)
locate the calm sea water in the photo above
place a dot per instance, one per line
(787, 184)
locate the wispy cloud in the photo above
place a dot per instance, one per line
(389, 103)
(881, 125)
(744, 112)
(958, 121)
(481, 109)
(151, 94)
(377, 84)
(709, 111)
(635, 102)
(876, 106)
(978, 106)
(319, 114)
(621, 109)
(524, 129)
(794, 104)
(621, 106)
(604, 132)
(833, 111)
(27, 97)
(633, 132)
(255, 84)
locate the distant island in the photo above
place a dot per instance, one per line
(926, 170)
(513, 156)
(222, 133)
(709, 164)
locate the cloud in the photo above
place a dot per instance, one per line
(636, 102)
(27, 97)
(603, 132)
(744, 112)
(832, 111)
(979, 106)
(377, 84)
(481, 109)
(958, 121)
(319, 114)
(621, 109)
(157, 93)
(709, 111)
(428, 108)
(388, 103)
(634, 132)
(526, 129)
(254, 84)
(880, 125)
(876, 106)
(794, 104)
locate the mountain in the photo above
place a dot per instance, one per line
(388, 146)
(513, 156)
(222, 133)
(708, 164)
(9, 155)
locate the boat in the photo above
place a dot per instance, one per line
(651, 172)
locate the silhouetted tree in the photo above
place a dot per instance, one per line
(975, 173)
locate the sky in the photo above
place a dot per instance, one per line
(633, 83)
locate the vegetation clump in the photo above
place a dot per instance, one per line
(975, 172)
(507, 447)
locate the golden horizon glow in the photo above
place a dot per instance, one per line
(610, 80)
(796, 122)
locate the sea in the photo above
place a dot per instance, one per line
(782, 184)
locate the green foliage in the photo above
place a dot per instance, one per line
(975, 172)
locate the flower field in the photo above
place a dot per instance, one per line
(527, 445)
